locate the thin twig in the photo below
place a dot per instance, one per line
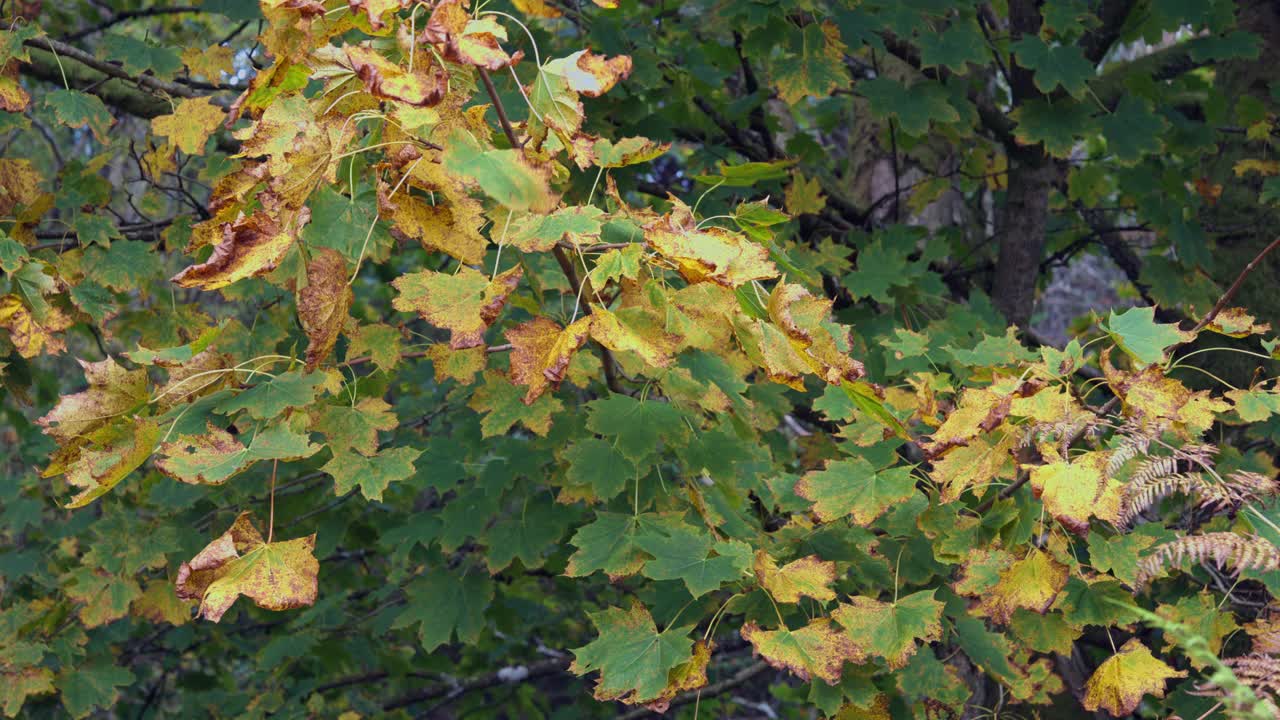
(1235, 286)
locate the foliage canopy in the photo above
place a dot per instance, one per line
(557, 359)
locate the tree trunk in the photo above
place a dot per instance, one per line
(1022, 236)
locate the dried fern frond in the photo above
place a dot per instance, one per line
(1253, 680)
(1139, 495)
(1224, 549)
(1265, 632)
(1252, 486)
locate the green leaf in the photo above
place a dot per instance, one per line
(79, 110)
(1059, 125)
(355, 427)
(1137, 333)
(445, 605)
(599, 465)
(86, 687)
(683, 555)
(961, 43)
(611, 543)
(1054, 65)
(271, 397)
(914, 107)
(504, 175)
(371, 474)
(853, 488)
(1133, 130)
(529, 533)
(637, 426)
(633, 658)
(139, 56)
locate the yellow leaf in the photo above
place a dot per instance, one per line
(452, 228)
(712, 255)
(536, 8)
(1032, 583)
(804, 196)
(460, 365)
(1118, 684)
(541, 351)
(113, 391)
(818, 649)
(633, 330)
(190, 125)
(1075, 491)
(807, 577)
(1266, 168)
(275, 576)
(426, 85)
(160, 604)
(30, 337)
(974, 465)
(209, 62)
(465, 303)
(250, 247)
(821, 343)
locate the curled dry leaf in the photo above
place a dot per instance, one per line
(251, 246)
(323, 304)
(275, 576)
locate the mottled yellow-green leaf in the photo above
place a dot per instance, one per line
(192, 122)
(371, 474)
(541, 351)
(380, 343)
(503, 406)
(30, 336)
(712, 254)
(460, 365)
(891, 630)
(636, 331)
(804, 196)
(274, 575)
(852, 487)
(465, 303)
(113, 391)
(1031, 583)
(807, 577)
(818, 649)
(355, 427)
(217, 456)
(1075, 491)
(112, 452)
(1119, 683)
(160, 604)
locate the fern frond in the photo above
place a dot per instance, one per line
(1226, 550)
(1139, 495)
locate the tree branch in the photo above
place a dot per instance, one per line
(148, 82)
(126, 15)
(1235, 286)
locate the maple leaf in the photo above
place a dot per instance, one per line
(611, 543)
(807, 577)
(1236, 322)
(579, 225)
(541, 351)
(445, 605)
(465, 303)
(616, 264)
(381, 343)
(633, 658)
(804, 196)
(1075, 491)
(683, 555)
(30, 336)
(371, 474)
(504, 406)
(890, 630)
(1120, 682)
(853, 488)
(355, 427)
(712, 255)
(1136, 332)
(597, 468)
(217, 455)
(805, 320)
(109, 454)
(627, 151)
(323, 304)
(190, 125)
(634, 330)
(79, 110)
(1032, 583)
(425, 85)
(459, 365)
(818, 649)
(452, 228)
(250, 247)
(275, 576)
(113, 391)
(818, 70)
(270, 398)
